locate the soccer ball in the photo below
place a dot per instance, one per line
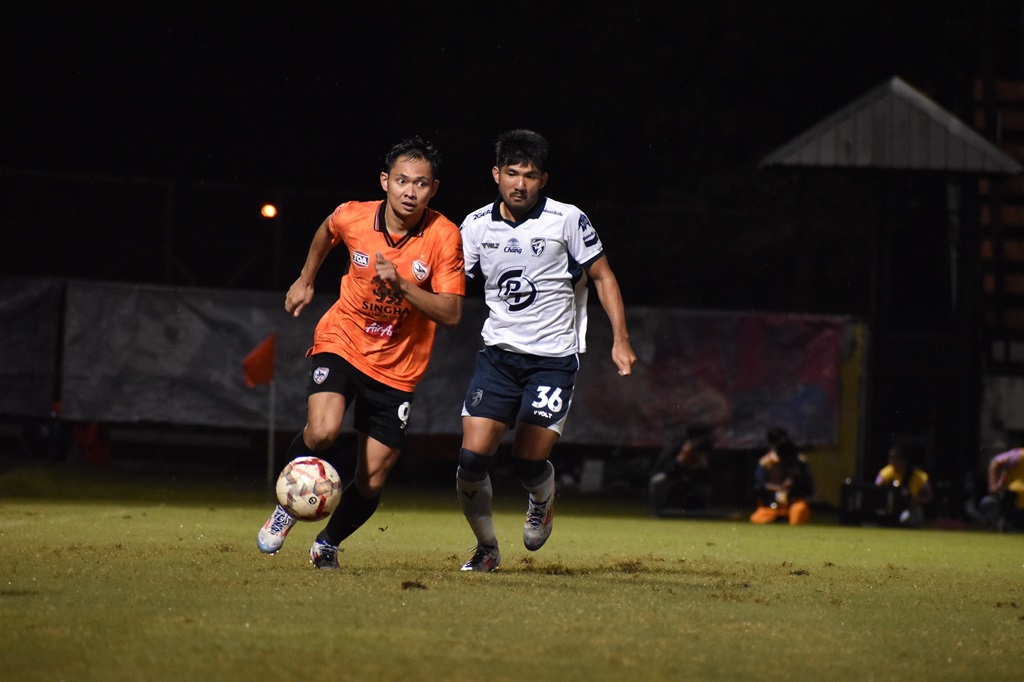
(309, 488)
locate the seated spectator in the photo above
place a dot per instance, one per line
(679, 478)
(782, 486)
(1003, 507)
(915, 490)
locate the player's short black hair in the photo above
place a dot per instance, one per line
(912, 455)
(787, 452)
(776, 435)
(521, 147)
(702, 437)
(414, 148)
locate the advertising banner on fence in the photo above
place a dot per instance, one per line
(173, 355)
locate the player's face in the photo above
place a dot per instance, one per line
(519, 187)
(410, 185)
(897, 459)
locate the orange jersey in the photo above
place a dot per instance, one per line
(371, 325)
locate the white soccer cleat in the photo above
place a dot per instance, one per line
(275, 530)
(486, 558)
(539, 520)
(323, 555)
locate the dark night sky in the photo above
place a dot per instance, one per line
(665, 104)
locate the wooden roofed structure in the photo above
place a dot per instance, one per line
(892, 134)
(893, 126)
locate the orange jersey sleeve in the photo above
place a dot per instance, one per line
(371, 325)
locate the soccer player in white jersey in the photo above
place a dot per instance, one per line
(535, 256)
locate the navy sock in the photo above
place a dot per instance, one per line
(298, 448)
(529, 471)
(341, 457)
(353, 511)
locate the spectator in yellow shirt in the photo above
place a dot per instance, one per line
(912, 482)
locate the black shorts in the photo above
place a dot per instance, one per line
(515, 387)
(380, 412)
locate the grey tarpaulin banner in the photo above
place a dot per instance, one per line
(166, 355)
(30, 318)
(174, 355)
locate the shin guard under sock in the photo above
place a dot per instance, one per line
(353, 511)
(542, 487)
(475, 499)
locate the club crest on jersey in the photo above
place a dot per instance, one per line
(512, 246)
(538, 244)
(360, 259)
(420, 270)
(320, 375)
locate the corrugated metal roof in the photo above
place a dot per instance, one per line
(894, 126)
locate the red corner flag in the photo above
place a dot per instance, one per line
(259, 363)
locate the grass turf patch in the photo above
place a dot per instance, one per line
(104, 578)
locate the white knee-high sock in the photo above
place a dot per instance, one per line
(475, 499)
(542, 488)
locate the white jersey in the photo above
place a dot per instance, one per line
(534, 283)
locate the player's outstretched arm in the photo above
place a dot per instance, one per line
(444, 309)
(611, 300)
(300, 293)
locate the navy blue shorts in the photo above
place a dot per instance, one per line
(381, 412)
(514, 387)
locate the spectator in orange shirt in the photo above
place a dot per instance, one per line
(782, 485)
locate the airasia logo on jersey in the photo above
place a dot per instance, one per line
(380, 330)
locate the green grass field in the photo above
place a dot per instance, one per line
(110, 578)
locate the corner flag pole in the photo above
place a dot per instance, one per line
(270, 436)
(258, 369)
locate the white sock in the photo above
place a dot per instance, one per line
(475, 499)
(541, 489)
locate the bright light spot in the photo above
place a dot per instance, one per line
(268, 211)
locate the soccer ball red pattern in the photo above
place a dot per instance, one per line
(309, 488)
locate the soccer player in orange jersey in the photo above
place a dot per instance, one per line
(373, 345)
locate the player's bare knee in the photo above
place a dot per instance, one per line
(319, 438)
